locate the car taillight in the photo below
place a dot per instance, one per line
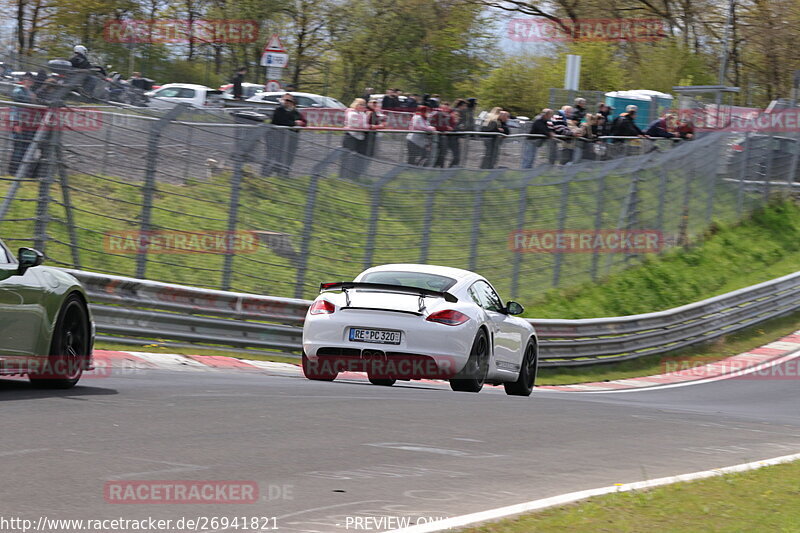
(322, 307)
(448, 317)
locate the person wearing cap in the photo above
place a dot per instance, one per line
(625, 125)
(578, 110)
(23, 121)
(284, 141)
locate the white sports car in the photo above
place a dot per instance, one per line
(420, 322)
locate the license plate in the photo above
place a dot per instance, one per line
(378, 336)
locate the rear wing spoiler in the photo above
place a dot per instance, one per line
(402, 289)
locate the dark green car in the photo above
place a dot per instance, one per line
(46, 329)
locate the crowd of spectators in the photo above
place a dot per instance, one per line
(578, 129)
(565, 131)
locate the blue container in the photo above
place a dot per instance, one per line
(651, 104)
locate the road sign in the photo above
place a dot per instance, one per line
(273, 86)
(275, 59)
(274, 73)
(274, 44)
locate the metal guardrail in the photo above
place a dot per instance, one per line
(133, 311)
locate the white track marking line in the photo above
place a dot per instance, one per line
(535, 505)
(743, 372)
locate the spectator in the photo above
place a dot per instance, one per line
(41, 75)
(367, 96)
(412, 102)
(138, 82)
(80, 58)
(444, 119)
(495, 123)
(539, 126)
(23, 123)
(624, 125)
(47, 90)
(390, 101)
(284, 141)
(417, 141)
(660, 127)
(375, 120)
(578, 110)
(356, 121)
(237, 80)
(287, 114)
(562, 128)
(605, 110)
(588, 135)
(472, 104)
(460, 111)
(685, 129)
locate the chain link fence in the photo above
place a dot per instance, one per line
(187, 198)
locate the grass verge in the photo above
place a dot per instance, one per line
(759, 500)
(764, 246)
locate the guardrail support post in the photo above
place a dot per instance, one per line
(149, 188)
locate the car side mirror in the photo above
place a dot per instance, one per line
(27, 258)
(513, 308)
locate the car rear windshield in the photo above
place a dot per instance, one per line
(419, 280)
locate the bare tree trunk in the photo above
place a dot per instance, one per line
(20, 27)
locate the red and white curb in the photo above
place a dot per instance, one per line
(114, 362)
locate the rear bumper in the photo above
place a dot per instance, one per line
(427, 350)
(387, 364)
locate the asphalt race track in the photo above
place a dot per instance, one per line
(324, 453)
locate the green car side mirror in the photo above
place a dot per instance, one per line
(27, 258)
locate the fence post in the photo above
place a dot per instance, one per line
(244, 144)
(793, 166)
(521, 210)
(46, 163)
(477, 209)
(430, 198)
(148, 190)
(768, 168)
(683, 227)
(562, 218)
(375, 207)
(600, 209)
(67, 200)
(308, 219)
(42, 133)
(743, 172)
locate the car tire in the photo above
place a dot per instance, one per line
(69, 348)
(527, 373)
(473, 375)
(312, 371)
